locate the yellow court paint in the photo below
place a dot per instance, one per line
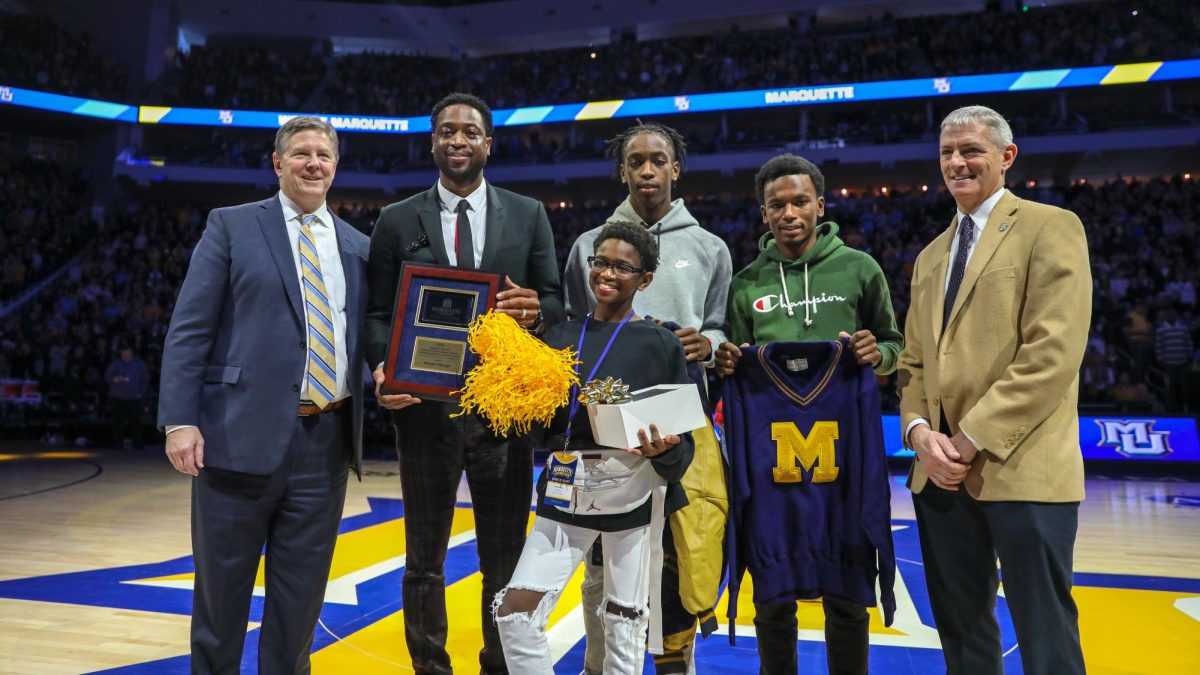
(380, 647)
(357, 550)
(1134, 631)
(360, 549)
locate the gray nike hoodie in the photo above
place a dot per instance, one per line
(691, 285)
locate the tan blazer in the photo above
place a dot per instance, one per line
(1007, 368)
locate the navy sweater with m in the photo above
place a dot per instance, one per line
(810, 505)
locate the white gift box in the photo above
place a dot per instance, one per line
(672, 408)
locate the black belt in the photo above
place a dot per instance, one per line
(308, 409)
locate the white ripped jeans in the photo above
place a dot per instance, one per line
(552, 552)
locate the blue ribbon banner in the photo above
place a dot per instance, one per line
(28, 98)
(1062, 78)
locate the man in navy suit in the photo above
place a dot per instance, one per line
(462, 220)
(261, 399)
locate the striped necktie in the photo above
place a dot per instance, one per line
(322, 378)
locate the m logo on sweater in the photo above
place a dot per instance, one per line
(815, 452)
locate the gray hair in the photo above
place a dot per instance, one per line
(304, 123)
(997, 126)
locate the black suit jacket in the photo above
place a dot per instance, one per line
(518, 243)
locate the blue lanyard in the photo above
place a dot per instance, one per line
(596, 368)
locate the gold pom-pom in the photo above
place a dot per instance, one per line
(519, 379)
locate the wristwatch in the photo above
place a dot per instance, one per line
(536, 326)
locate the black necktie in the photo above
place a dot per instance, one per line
(966, 236)
(463, 248)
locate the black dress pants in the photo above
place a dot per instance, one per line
(961, 539)
(295, 513)
(846, 637)
(433, 458)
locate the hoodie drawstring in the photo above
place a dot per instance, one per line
(787, 298)
(807, 301)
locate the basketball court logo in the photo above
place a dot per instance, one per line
(1134, 438)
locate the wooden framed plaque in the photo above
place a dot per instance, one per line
(435, 304)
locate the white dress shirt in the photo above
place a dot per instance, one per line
(477, 214)
(325, 239)
(980, 217)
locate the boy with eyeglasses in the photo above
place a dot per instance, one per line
(589, 493)
(690, 289)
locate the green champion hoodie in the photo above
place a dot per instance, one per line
(831, 288)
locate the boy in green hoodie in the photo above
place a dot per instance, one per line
(806, 285)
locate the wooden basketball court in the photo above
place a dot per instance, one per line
(95, 575)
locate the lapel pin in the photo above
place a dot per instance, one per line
(1003, 226)
(418, 243)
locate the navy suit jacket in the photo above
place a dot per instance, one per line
(235, 352)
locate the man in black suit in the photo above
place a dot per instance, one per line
(467, 222)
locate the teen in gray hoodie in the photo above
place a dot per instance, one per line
(691, 287)
(692, 282)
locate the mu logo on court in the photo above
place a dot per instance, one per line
(1134, 438)
(815, 452)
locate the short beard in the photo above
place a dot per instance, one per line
(464, 176)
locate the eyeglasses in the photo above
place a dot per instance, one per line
(619, 269)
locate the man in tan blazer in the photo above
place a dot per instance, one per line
(995, 335)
